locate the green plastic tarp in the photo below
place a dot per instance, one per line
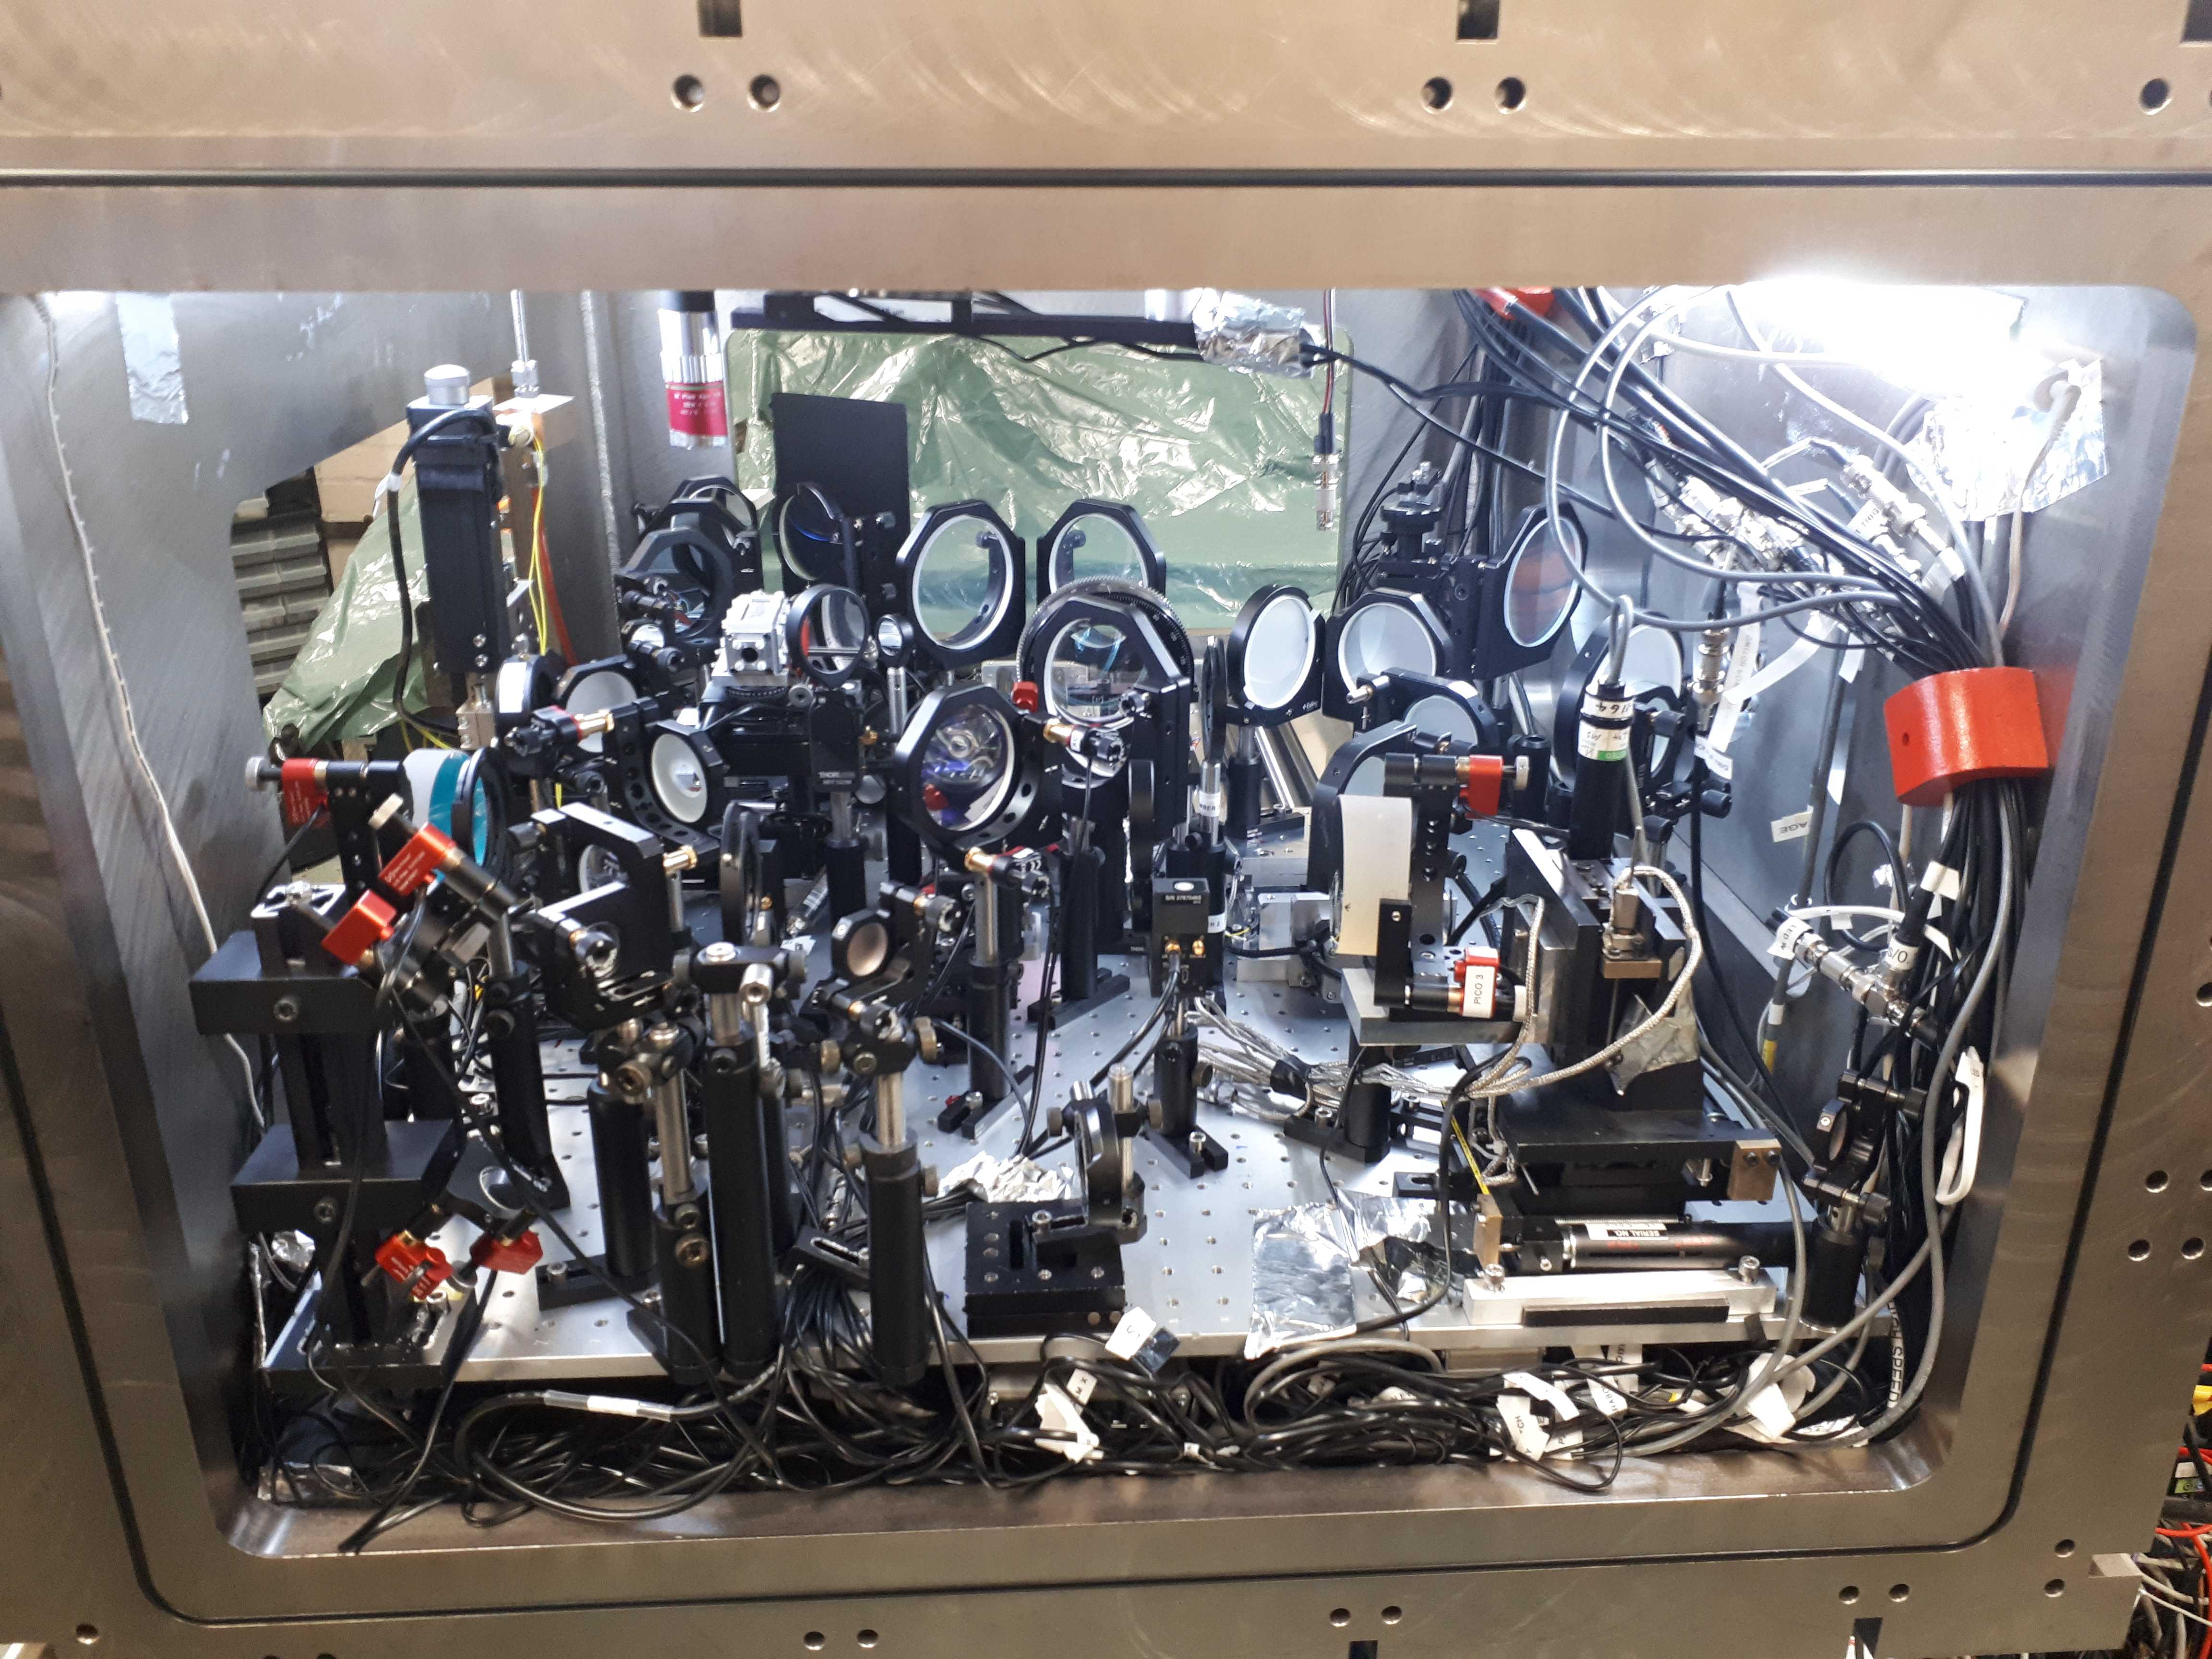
(1218, 461)
(340, 685)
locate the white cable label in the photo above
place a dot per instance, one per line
(1479, 993)
(1793, 928)
(1603, 742)
(1795, 827)
(1131, 1332)
(608, 1405)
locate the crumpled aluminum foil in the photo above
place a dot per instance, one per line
(1239, 331)
(1979, 451)
(151, 365)
(1012, 1181)
(1308, 1269)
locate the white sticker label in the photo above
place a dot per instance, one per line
(1625, 1229)
(1062, 1417)
(1795, 827)
(1603, 742)
(1612, 1404)
(1081, 1385)
(608, 1405)
(1522, 1427)
(1133, 1331)
(1479, 997)
(1773, 1410)
(1549, 1392)
(1792, 929)
(1716, 761)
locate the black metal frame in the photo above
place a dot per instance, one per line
(1049, 579)
(999, 639)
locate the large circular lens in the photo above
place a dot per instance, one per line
(1653, 662)
(1540, 586)
(1279, 653)
(1379, 639)
(811, 533)
(679, 780)
(967, 769)
(1096, 545)
(1091, 664)
(595, 694)
(834, 633)
(963, 580)
(597, 867)
(1443, 717)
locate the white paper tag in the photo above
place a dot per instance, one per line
(1792, 929)
(1606, 1400)
(1941, 880)
(1962, 1155)
(1131, 1332)
(1743, 662)
(1074, 1438)
(1478, 995)
(1795, 827)
(1772, 1412)
(1603, 742)
(1081, 1385)
(1716, 761)
(1522, 1427)
(1546, 1390)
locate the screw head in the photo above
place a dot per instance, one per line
(326, 1210)
(720, 951)
(691, 1250)
(1044, 1274)
(287, 1009)
(864, 1064)
(1099, 1273)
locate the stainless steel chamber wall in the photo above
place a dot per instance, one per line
(2048, 1433)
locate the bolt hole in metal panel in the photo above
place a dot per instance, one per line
(111, 1270)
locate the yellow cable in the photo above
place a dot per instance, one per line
(1473, 1163)
(538, 613)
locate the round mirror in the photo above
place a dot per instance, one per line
(1539, 584)
(1377, 639)
(967, 769)
(963, 580)
(1443, 717)
(833, 634)
(597, 867)
(811, 532)
(1097, 546)
(594, 694)
(859, 945)
(1090, 665)
(1279, 654)
(679, 780)
(1654, 661)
